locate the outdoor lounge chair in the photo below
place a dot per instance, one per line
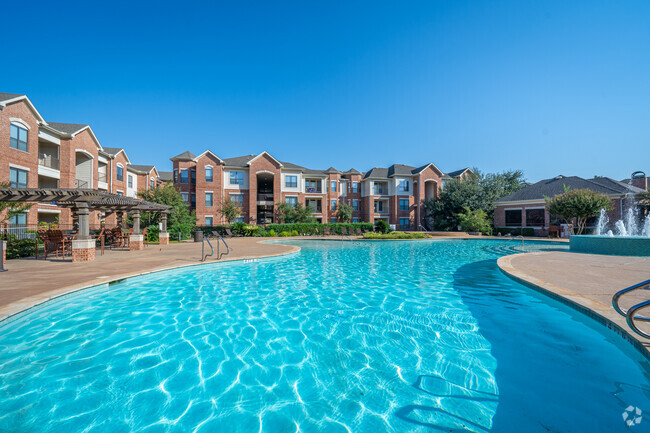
(344, 231)
(326, 231)
(56, 242)
(359, 232)
(228, 233)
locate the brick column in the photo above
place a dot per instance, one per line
(83, 248)
(163, 236)
(136, 242)
(4, 253)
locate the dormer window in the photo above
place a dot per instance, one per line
(18, 138)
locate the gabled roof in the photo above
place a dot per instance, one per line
(165, 176)
(556, 185)
(353, 171)
(114, 151)
(208, 152)
(400, 170)
(262, 154)
(332, 170)
(460, 172)
(10, 98)
(68, 128)
(431, 164)
(292, 166)
(238, 161)
(315, 172)
(376, 173)
(143, 169)
(185, 156)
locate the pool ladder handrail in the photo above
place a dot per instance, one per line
(203, 255)
(512, 239)
(617, 296)
(219, 255)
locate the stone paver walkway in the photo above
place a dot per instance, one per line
(588, 280)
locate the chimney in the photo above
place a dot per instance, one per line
(639, 180)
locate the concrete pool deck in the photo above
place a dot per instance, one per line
(586, 282)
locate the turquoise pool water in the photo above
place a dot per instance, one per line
(343, 336)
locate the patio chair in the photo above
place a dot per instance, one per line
(56, 243)
(326, 231)
(359, 232)
(344, 231)
(228, 233)
(118, 238)
(145, 236)
(553, 230)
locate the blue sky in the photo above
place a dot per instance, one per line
(549, 87)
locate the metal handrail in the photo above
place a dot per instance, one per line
(512, 239)
(219, 255)
(631, 315)
(617, 296)
(203, 255)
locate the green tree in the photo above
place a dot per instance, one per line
(229, 210)
(476, 191)
(578, 204)
(382, 226)
(180, 220)
(8, 209)
(344, 213)
(289, 214)
(474, 221)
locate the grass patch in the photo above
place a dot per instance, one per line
(396, 235)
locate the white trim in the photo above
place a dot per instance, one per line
(119, 164)
(206, 152)
(265, 172)
(211, 192)
(49, 211)
(19, 167)
(535, 207)
(513, 208)
(29, 105)
(267, 154)
(49, 172)
(85, 152)
(20, 122)
(431, 164)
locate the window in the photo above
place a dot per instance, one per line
(184, 176)
(185, 196)
(175, 176)
(333, 203)
(239, 219)
(193, 176)
(18, 138)
(333, 220)
(312, 186)
(208, 199)
(403, 186)
(513, 217)
(236, 177)
(17, 178)
(355, 186)
(404, 223)
(403, 204)
(152, 183)
(355, 220)
(208, 174)
(293, 201)
(237, 200)
(208, 221)
(355, 204)
(193, 200)
(291, 181)
(120, 193)
(130, 181)
(120, 173)
(535, 217)
(18, 219)
(379, 188)
(333, 186)
(379, 206)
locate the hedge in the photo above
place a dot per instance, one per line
(275, 229)
(516, 231)
(17, 248)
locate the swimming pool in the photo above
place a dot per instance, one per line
(343, 336)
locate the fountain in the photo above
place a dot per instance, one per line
(629, 236)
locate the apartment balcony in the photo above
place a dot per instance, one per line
(265, 199)
(48, 161)
(316, 209)
(81, 184)
(102, 177)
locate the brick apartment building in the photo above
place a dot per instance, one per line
(35, 153)
(257, 182)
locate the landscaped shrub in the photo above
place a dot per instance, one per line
(184, 229)
(396, 235)
(284, 234)
(313, 228)
(515, 231)
(382, 226)
(295, 233)
(17, 248)
(474, 221)
(153, 232)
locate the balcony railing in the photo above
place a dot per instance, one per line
(316, 209)
(103, 177)
(264, 197)
(82, 184)
(313, 189)
(48, 161)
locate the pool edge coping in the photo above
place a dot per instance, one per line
(570, 298)
(54, 295)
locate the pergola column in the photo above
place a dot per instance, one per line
(163, 236)
(136, 240)
(83, 247)
(121, 221)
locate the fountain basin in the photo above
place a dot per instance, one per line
(611, 245)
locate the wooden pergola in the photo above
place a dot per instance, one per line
(83, 201)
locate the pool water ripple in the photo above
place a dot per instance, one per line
(400, 336)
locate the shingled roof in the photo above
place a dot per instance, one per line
(185, 156)
(9, 96)
(67, 128)
(556, 185)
